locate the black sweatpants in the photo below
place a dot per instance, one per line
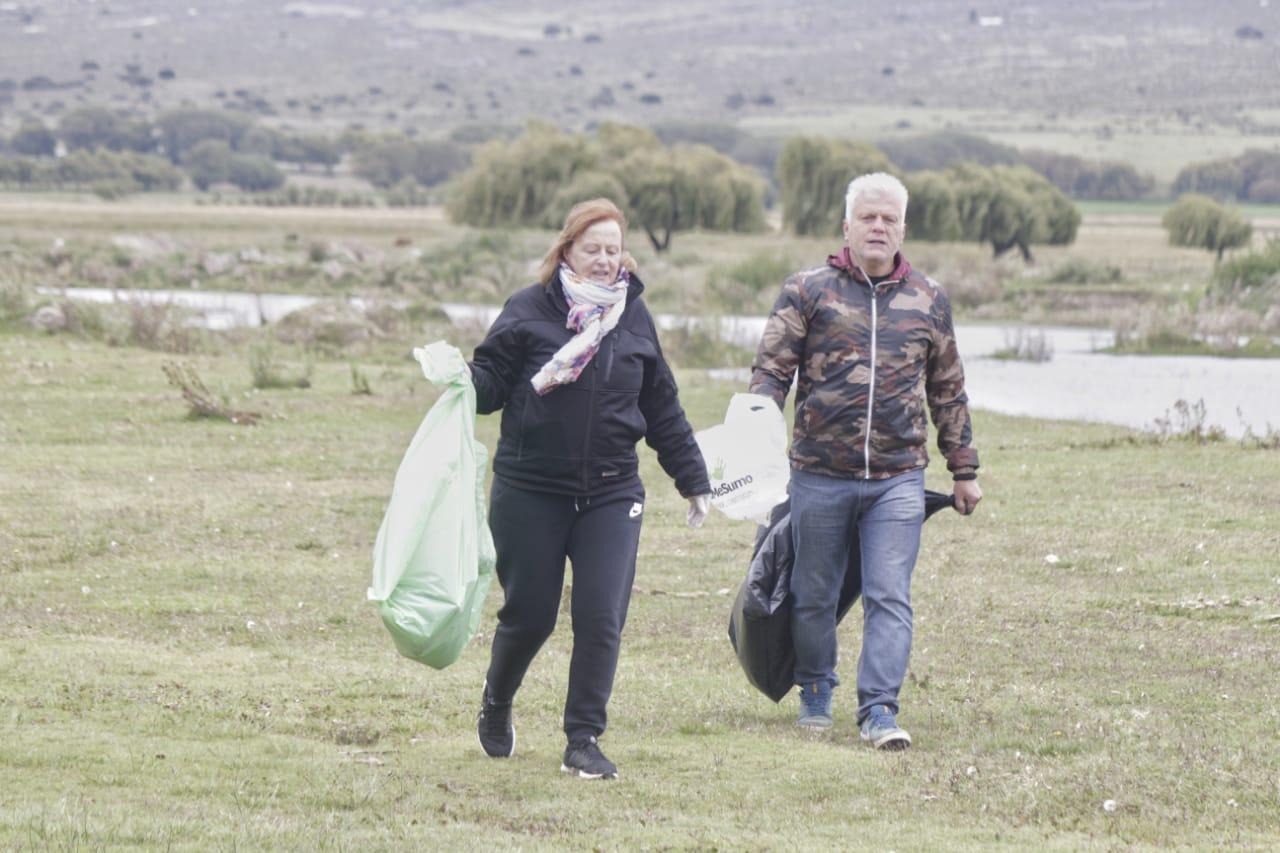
(533, 533)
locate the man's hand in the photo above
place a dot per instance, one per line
(699, 506)
(967, 494)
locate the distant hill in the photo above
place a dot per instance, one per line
(431, 66)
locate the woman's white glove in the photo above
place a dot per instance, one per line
(699, 506)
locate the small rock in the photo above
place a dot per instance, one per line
(50, 318)
(217, 263)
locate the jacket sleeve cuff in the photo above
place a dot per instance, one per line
(962, 460)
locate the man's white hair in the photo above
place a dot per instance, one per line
(872, 183)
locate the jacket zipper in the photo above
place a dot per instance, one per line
(871, 386)
(608, 363)
(586, 444)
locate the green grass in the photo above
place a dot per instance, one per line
(1265, 215)
(189, 662)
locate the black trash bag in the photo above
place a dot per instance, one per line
(760, 622)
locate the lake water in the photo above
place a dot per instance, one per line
(1078, 383)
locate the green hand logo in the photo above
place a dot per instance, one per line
(717, 473)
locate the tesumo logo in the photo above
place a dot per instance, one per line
(726, 488)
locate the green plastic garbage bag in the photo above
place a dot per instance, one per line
(433, 558)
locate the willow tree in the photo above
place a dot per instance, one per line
(687, 187)
(533, 181)
(931, 208)
(1199, 222)
(512, 183)
(813, 175)
(1011, 207)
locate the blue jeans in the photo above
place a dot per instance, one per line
(887, 516)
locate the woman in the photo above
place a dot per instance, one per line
(574, 364)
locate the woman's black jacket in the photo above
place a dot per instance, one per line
(580, 438)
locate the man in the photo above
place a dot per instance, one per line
(873, 342)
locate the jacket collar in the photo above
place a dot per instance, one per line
(843, 261)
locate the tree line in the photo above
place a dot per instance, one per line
(677, 176)
(210, 147)
(1253, 176)
(533, 180)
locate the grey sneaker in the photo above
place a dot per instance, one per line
(815, 706)
(880, 729)
(497, 734)
(584, 759)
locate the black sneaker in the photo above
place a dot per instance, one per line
(497, 735)
(584, 758)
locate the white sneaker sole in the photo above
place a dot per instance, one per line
(582, 774)
(893, 741)
(815, 725)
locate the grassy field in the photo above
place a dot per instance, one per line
(187, 660)
(407, 253)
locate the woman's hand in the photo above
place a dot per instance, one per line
(699, 506)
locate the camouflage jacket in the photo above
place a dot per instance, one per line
(869, 358)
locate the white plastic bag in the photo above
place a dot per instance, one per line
(433, 560)
(747, 458)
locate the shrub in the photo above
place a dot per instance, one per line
(387, 161)
(1080, 178)
(1025, 346)
(698, 344)
(1252, 175)
(90, 128)
(254, 173)
(1253, 271)
(752, 283)
(1199, 222)
(33, 139)
(181, 130)
(201, 403)
(1149, 331)
(1079, 271)
(1188, 422)
(160, 326)
(267, 371)
(208, 163)
(15, 303)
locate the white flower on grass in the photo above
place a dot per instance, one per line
(1109, 805)
(1052, 559)
(84, 590)
(971, 771)
(250, 625)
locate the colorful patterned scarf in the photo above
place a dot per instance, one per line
(594, 309)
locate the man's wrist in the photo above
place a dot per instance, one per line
(962, 475)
